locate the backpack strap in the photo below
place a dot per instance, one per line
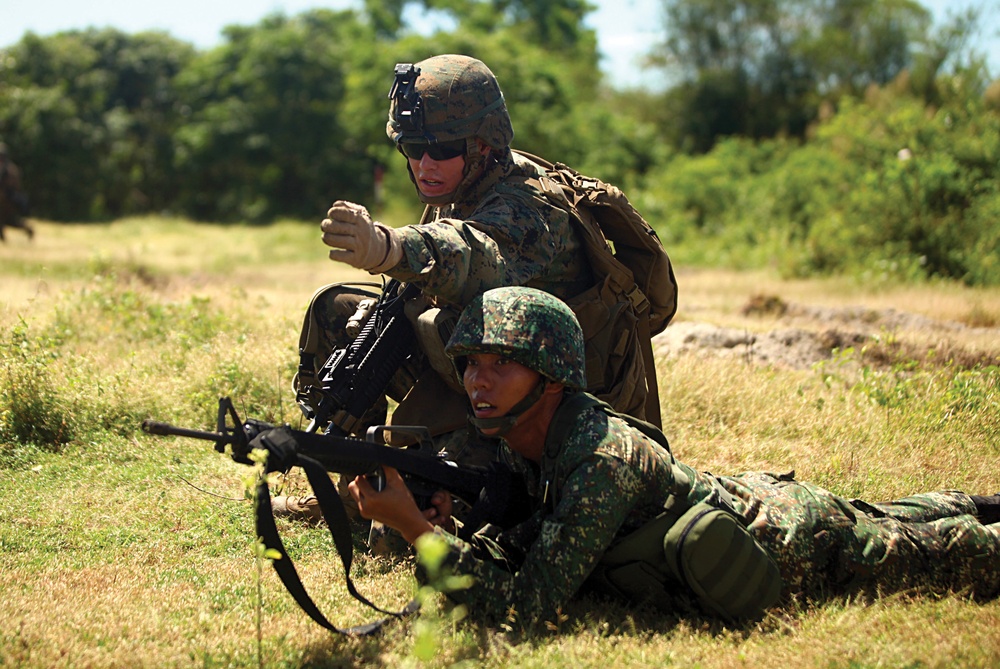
(652, 412)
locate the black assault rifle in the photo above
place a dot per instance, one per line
(423, 470)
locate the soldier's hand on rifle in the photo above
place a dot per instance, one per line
(358, 240)
(440, 510)
(393, 505)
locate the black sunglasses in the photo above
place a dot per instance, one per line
(439, 151)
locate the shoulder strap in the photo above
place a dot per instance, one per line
(567, 417)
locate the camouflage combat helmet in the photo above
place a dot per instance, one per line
(447, 98)
(525, 325)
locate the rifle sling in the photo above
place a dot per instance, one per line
(340, 530)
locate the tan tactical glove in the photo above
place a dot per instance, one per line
(358, 240)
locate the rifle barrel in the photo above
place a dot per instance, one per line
(166, 429)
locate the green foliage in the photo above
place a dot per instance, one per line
(431, 629)
(52, 397)
(268, 134)
(30, 407)
(888, 190)
(930, 399)
(758, 68)
(779, 143)
(89, 116)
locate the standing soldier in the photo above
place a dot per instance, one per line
(613, 509)
(13, 199)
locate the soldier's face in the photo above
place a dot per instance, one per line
(495, 384)
(436, 178)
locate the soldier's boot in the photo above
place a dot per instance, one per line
(304, 509)
(987, 508)
(383, 541)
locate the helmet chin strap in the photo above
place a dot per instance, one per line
(503, 424)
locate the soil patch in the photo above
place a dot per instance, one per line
(810, 334)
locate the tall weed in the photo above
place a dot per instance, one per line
(31, 406)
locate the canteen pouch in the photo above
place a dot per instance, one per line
(634, 568)
(712, 553)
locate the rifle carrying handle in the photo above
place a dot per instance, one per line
(376, 434)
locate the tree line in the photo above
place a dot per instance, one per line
(289, 113)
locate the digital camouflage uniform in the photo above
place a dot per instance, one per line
(606, 479)
(501, 232)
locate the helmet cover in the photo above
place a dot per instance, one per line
(526, 325)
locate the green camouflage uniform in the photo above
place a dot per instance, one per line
(609, 479)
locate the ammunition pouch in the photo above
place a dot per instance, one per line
(433, 327)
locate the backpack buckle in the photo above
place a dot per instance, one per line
(639, 301)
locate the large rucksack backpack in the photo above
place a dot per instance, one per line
(635, 293)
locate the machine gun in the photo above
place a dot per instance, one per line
(354, 377)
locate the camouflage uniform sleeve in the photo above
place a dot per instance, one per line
(596, 498)
(508, 241)
(607, 479)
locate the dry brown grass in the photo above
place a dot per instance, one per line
(110, 558)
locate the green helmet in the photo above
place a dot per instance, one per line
(525, 325)
(446, 98)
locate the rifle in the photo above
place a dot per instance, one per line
(424, 472)
(354, 377)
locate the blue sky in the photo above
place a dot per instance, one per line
(626, 29)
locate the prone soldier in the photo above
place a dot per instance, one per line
(614, 510)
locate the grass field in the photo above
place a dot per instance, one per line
(122, 550)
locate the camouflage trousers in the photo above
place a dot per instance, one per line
(825, 544)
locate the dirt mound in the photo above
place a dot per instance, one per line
(814, 333)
